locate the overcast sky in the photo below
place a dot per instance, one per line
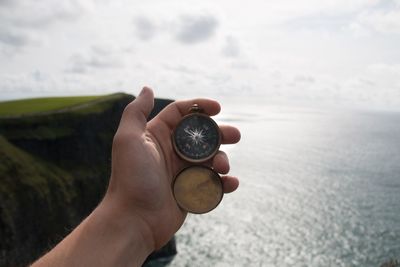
(334, 52)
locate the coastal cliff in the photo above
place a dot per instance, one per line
(54, 169)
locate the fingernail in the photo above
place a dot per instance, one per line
(142, 92)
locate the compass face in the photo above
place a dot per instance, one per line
(196, 138)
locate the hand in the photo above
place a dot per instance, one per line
(138, 213)
(144, 164)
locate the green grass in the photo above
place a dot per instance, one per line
(100, 104)
(58, 119)
(35, 105)
(20, 165)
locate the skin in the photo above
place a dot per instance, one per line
(138, 213)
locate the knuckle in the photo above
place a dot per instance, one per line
(128, 108)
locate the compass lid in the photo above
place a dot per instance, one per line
(198, 189)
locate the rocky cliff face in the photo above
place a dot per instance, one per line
(54, 169)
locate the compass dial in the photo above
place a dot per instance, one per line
(196, 138)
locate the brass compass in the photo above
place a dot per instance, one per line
(196, 139)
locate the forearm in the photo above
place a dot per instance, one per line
(107, 237)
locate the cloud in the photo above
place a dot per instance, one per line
(4, 3)
(39, 14)
(26, 82)
(13, 41)
(98, 57)
(7, 4)
(384, 18)
(184, 28)
(242, 65)
(302, 78)
(10, 38)
(145, 28)
(22, 19)
(383, 21)
(193, 29)
(182, 69)
(231, 47)
(204, 48)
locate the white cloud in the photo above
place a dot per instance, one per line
(302, 78)
(192, 29)
(15, 40)
(231, 47)
(34, 82)
(39, 14)
(383, 21)
(188, 70)
(12, 38)
(145, 28)
(98, 57)
(22, 19)
(286, 51)
(6, 3)
(186, 28)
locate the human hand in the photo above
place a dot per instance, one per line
(138, 213)
(144, 165)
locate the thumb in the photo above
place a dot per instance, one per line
(136, 113)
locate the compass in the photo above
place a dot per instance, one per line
(196, 138)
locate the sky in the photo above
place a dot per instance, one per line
(337, 53)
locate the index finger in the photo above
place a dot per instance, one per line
(174, 112)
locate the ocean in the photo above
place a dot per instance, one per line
(317, 188)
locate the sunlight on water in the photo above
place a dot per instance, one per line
(318, 188)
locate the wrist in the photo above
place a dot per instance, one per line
(127, 226)
(120, 239)
(107, 237)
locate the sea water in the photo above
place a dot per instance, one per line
(317, 188)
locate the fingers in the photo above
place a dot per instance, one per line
(221, 163)
(229, 183)
(136, 112)
(174, 112)
(230, 134)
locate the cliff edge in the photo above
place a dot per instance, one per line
(54, 169)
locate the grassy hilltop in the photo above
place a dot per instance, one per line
(40, 105)
(54, 167)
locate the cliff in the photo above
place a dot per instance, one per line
(54, 169)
